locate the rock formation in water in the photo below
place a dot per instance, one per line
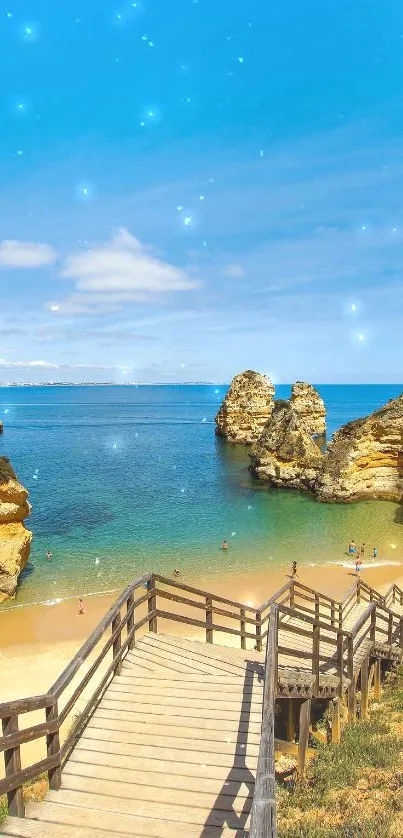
(246, 408)
(365, 458)
(285, 454)
(310, 407)
(15, 539)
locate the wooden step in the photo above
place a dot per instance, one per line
(203, 710)
(202, 752)
(175, 812)
(214, 728)
(193, 655)
(144, 768)
(29, 828)
(184, 692)
(118, 823)
(178, 661)
(117, 782)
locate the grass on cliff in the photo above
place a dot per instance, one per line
(354, 788)
(6, 471)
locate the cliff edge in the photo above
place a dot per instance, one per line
(15, 539)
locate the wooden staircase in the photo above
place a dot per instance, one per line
(170, 751)
(171, 741)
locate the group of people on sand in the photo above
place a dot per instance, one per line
(359, 554)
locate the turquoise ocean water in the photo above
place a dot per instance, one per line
(128, 479)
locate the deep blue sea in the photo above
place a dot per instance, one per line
(128, 479)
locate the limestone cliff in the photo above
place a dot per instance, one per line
(285, 454)
(310, 407)
(246, 408)
(15, 539)
(365, 458)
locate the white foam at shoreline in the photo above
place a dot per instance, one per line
(365, 565)
(51, 602)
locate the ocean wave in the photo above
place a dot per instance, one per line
(50, 603)
(365, 565)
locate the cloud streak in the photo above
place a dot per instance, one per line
(15, 254)
(122, 271)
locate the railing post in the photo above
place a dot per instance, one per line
(258, 631)
(401, 632)
(53, 747)
(303, 739)
(335, 704)
(292, 594)
(350, 676)
(243, 625)
(390, 629)
(340, 661)
(377, 680)
(130, 622)
(358, 589)
(364, 688)
(332, 613)
(340, 615)
(117, 643)
(316, 606)
(209, 620)
(12, 763)
(264, 820)
(152, 605)
(315, 657)
(372, 635)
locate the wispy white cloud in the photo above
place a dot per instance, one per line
(17, 254)
(122, 271)
(236, 271)
(48, 365)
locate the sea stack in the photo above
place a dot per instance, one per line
(365, 458)
(15, 539)
(285, 454)
(246, 408)
(310, 407)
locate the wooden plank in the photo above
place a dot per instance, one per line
(183, 694)
(191, 658)
(211, 654)
(153, 712)
(176, 812)
(118, 721)
(377, 680)
(142, 768)
(152, 784)
(29, 828)
(118, 822)
(25, 705)
(145, 741)
(169, 705)
(190, 621)
(149, 746)
(179, 585)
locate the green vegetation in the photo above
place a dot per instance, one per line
(354, 789)
(6, 471)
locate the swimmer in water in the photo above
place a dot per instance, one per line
(224, 545)
(49, 556)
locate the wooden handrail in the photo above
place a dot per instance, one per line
(263, 819)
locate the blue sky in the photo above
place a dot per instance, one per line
(189, 189)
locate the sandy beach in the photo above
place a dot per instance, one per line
(37, 642)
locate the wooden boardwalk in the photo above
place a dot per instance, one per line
(170, 751)
(171, 742)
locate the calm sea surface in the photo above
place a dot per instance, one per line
(128, 479)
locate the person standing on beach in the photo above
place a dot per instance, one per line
(362, 549)
(294, 569)
(80, 606)
(352, 547)
(375, 552)
(358, 562)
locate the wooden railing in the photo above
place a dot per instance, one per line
(324, 617)
(70, 701)
(100, 658)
